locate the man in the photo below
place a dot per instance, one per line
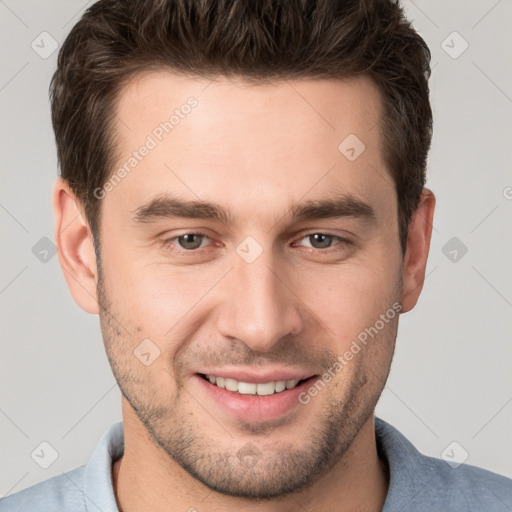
(242, 192)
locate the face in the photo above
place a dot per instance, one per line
(250, 273)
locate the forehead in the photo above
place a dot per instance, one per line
(249, 146)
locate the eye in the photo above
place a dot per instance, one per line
(325, 241)
(188, 242)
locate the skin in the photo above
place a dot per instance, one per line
(256, 151)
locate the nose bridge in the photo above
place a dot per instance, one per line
(260, 308)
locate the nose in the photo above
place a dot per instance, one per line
(259, 306)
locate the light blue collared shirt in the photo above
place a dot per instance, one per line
(417, 483)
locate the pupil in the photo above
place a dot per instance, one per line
(189, 242)
(323, 239)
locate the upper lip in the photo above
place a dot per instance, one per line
(258, 377)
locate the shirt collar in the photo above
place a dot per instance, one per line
(409, 470)
(98, 486)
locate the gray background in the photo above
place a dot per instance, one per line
(451, 378)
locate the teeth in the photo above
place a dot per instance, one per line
(250, 388)
(280, 386)
(245, 388)
(290, 384)
(231, 384)
(265, 388)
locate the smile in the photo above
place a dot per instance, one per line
(252, 388)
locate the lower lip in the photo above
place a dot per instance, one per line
(254, 408)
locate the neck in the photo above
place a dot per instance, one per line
(146, 479)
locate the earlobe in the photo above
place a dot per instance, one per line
(416, 254)
(75, 247)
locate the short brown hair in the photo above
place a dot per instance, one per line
(258, 40)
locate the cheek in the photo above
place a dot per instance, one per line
(350, 298)
(151, 294)
(160, 302)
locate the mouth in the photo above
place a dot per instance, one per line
(253, 388)
(254, 398)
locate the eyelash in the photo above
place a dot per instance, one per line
(169, 242)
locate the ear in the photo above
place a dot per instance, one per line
(418, 245)
(75, 247)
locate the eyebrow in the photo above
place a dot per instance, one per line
(167, 206)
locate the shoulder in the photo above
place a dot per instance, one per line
(88, 487)
(419, 482)
(471, 486)
(59, 493)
